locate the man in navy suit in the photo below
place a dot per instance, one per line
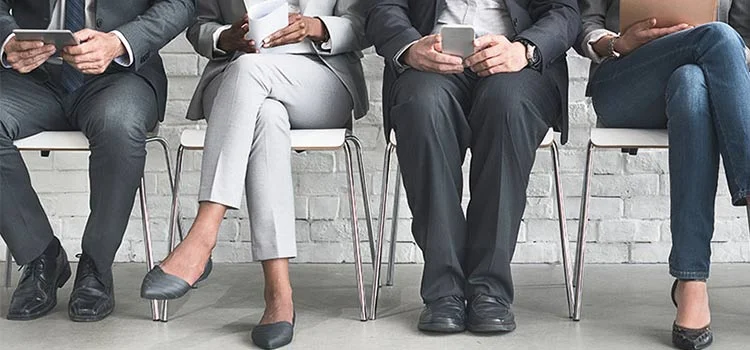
(499, 102)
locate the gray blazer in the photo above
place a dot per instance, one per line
(343, 19)
(605, 14)
(148, 25)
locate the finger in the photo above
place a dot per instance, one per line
(33, 53)
(656, 33)
(291, 38)
(18, 45)
(484, 55)
(82, 49)
(441, 58)
(501, 68)
(487, 64)
(485, 41)
(31, 64)
(240, 22)
(294, 17)
(85, 35)
(645, 24)
(77, 60)
(284, 32)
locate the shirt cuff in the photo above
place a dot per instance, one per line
(590, 39)
(747, 56)
(127, 59)
(216, 36)
(401, 67)
(5, 63)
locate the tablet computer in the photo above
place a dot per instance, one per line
(668, 12)
(59, 38)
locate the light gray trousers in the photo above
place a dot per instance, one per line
(250, 109)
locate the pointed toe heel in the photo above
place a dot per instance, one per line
(692, 339)
(274, 335)
(159, 285)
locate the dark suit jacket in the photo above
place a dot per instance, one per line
(148, 25)
(552, 25)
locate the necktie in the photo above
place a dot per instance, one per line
(75, 20)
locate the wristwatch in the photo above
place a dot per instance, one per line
(533, 56)
(612, 52)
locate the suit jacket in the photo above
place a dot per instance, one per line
(147, 25)
(343, 19)
(605, 14)
(552, 25)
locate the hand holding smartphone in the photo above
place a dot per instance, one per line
(457, 40)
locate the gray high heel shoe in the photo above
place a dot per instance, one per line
(274, 335)
(159, 285)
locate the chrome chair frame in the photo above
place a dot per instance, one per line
(349, 142)
(648, 139)
(376, 285)
(153, 138)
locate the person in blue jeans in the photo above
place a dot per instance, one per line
(693, 81)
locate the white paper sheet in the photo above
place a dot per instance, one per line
(265, 18)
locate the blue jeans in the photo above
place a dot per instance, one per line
(696, 84)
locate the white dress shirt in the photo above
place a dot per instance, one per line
(57, 22)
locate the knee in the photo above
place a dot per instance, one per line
(687, 94)
(723, 35)
(504, 108)
(119, 128)
(422, 101)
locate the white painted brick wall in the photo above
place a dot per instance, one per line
(629, 210)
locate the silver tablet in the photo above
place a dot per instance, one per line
(59, 38)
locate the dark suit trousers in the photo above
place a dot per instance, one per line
(114, 111)
(502, 119)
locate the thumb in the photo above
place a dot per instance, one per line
(437, 44)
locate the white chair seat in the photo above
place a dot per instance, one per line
(302, 140)
(547, 142)
(629, 138)
(54, 141)
(60, 141)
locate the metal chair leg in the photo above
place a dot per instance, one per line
(168, 161)
(564, 241)
(381, 232)
(365, 195)
(394, 227)
(147, 241)
(173, 219)
(582, 226)
(8, 266)
(355, 233)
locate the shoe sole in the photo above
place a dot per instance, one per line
(61, 280)
(491, 328)
(441, 328)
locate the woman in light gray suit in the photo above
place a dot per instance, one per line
(307, 75)
(695, 83)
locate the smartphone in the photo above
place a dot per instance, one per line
(458, 40)
(59, 38)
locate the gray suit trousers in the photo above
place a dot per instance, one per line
(114, 111)
(251, 108)
(502, 118)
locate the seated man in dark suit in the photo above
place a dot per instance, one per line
(113, 88)
(499, 102)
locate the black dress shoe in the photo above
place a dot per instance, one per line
(488, 314)
(274, 335)
(93, 297)
(688, 338)
(159, 285)
(36, 294)
(445, 315)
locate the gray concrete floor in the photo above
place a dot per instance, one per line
(626, 307)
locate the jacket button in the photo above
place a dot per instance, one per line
(99, 23)
(515, 22)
